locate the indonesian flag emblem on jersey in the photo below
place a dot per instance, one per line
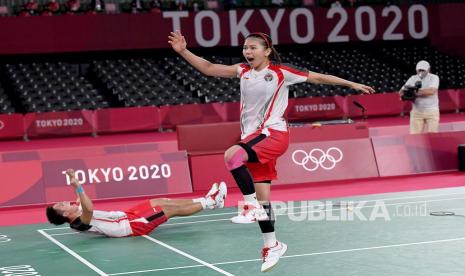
(264, 96)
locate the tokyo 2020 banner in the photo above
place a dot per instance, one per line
(59, 123)
(103, 177)
(218, 28)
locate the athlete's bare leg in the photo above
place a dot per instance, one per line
(181, 210)
(170, 202)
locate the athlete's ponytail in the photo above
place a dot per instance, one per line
(267, 43)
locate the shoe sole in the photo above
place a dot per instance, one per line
(284, 252)
(248, 222)
(224, 189)
(214, 187)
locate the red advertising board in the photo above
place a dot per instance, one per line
(375, 105)
(87, 151)
(309, 133)
(59, 123)
(327, 160)
(448, 100)
(302, 163)
(419, 153)
(11, 126)
(121, 176)
(114, 120)
(22, 183)
(207, 169)
(210, 28)
(171, 116)
(232, 111)
(205, 137)
(315, 108)
(461, 95)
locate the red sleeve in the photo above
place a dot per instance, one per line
(243, 68)
(294, 70)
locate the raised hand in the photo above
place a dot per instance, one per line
(177, 41)
(72, 179)
(78, 201)
(363, 88)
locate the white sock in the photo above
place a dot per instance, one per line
(202, 201)
(269, 239)
(251, 199)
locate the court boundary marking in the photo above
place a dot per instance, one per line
(213, 265)
(100, 272)
(233, 213)
(339, 199)
(317, 211)
(305, 255)
(72, 253)
(287, 213)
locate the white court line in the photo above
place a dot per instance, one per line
(318, 211)
(62, 234)
(389, 204)
(100, 272)
(292, 256)
(194, 222)
(72, 253)
(303, 255)
(154, 270)
(330, 199)
(188, 255)
(352, 250)
(232, 213)
(451, 209)
(52, 229)
(301, 212)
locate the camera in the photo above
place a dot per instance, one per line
(410, 92)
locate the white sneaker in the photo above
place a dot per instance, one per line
(220, 198)
(212, 190)
(250, 214)
(216, 196)
(271, 255)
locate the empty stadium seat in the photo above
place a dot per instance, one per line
(53, 87)
(164, 79)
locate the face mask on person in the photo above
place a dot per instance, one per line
(422, 74)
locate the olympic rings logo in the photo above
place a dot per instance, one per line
(317, 158)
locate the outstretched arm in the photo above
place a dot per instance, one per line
(317, 78)
(179, 44)
(86, 202)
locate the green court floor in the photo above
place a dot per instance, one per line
(384, 234)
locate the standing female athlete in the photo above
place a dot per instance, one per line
(264, 85)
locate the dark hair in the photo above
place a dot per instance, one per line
(54, 217)
(268, 44)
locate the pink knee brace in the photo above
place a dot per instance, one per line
(236, 160)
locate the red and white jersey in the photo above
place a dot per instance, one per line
(264, 96)
(112, 224)
(138, 220)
